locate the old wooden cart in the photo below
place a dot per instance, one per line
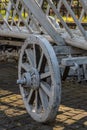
(50, 50)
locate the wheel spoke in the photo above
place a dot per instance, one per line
(44, 99)
(40, 62)
(45, 87)
(30, 95)
(25, 66)
(30, 56)
(36, 100)
(34, 50)
(41, 91)
(45, 75)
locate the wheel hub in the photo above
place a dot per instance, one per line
(30, 79)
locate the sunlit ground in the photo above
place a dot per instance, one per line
(72, 114)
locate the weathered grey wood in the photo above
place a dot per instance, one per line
(5, 22)
(77, 42)
(65, 73)
(43, 20)
(75, 19)
(14, 12)
(67, 50)
(59, 16)
(85, 71)
(84, 4)
(8, 10)
(38, 68)
(21, 35)
(72, 60)
(11, 42)
(48, 107)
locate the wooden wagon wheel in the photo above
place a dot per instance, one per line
(39, 79)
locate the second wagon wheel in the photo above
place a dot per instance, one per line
(39, 79)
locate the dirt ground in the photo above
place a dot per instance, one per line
(72, 114)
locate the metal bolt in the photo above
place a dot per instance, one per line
(21, 81)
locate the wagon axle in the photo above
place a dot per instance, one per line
(30, 79)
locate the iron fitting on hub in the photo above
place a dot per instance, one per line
(30, 79)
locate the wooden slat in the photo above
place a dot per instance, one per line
(43, 20)
(66, 50)
(75, 19)
(84, 4)
(77, 42)
(11, 42)
(21, 35)
(72, 60)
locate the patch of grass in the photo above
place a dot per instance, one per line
(70, 19)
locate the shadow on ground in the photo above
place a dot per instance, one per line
(72, 114)
(24, 122)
